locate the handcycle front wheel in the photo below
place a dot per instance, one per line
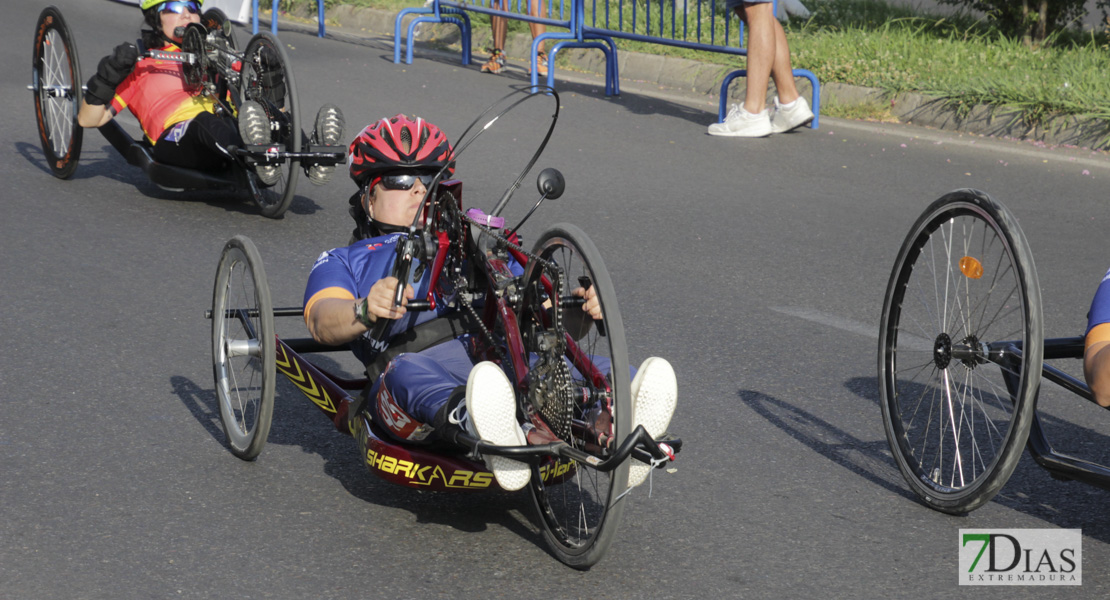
(267, 79)
(243, 347)
(580, 508)
(195, 72)
(960, 351)
(56, 74)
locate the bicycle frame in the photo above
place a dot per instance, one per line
(1060, 466)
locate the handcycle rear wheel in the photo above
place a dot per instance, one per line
(57, 81)
(243, 347)
(579, 507)
(267, 79)
(960, 351)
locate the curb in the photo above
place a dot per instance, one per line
(704, 79)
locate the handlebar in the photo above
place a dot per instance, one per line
(401, 267)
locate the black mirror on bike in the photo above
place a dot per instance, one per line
(551, 183)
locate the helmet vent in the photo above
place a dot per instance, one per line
(406, 139)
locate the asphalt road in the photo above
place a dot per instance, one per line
(756, 267)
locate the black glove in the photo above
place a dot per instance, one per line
(111, 71)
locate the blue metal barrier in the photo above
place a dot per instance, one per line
(454, 12)
(651, 21)
(321, 31)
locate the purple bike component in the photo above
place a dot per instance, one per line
(484, 219)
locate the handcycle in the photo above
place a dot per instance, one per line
(214, 66)
(961, 357)
(566, 368)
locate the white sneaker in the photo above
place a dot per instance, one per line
(654, 395)
(328, 131)
(491, 414)
(254, 127)
(741, 123)
(790, 116)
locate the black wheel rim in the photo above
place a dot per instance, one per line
(578, 505)
(958, 317)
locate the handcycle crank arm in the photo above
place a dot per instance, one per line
(337, 156)
(292, 311)
(273, 154)
(181, 57)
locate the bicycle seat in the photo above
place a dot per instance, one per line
(166, 176)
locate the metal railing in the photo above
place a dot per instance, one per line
(321, 31)
(693, 24)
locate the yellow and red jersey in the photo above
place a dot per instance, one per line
(155, 93)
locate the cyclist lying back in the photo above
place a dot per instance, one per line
(350, 289)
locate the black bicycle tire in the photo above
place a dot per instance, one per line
(195, 73)
(63, 160)
(1020, 381)
(246, 442)
(586, 553)
(273, 203)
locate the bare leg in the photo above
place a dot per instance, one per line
(538, 9)
(1096, 363)
(499, 25)
(768, 57)
(782, 72)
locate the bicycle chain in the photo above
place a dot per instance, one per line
(550, 377)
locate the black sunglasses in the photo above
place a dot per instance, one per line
(405, 181)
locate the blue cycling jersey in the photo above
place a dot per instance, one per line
(414, 387)
(348, 273)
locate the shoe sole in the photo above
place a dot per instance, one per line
(493, 416)
(792, 127)
(268, 176)
(254, 125)
(653, 406)
(330, 132)
(741, 134)
(254, 128)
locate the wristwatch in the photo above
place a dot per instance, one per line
(362, 312)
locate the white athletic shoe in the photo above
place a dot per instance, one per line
(790, 116)
(491, 416)
(741, 123)
(254, 127)
(654, 395)
(329, 132)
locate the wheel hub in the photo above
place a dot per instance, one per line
(974, 355)
(942, 351)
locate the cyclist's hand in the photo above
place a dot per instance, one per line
(592, 306)
(379, 302)
(124, 57)
(111, 71)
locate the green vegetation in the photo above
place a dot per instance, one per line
(870, 43)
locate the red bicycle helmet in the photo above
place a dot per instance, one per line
(397, 143)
